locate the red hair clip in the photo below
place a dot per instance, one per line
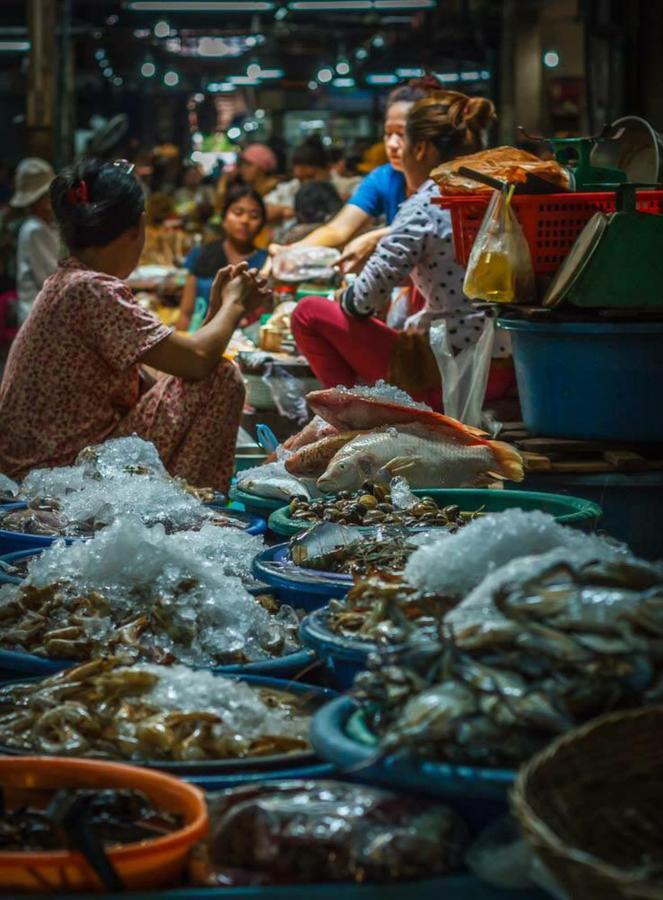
(78, 194)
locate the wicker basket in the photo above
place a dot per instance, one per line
(591, 806)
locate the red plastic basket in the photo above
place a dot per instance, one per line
(550, 222)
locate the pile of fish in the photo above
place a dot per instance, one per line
(377, 432)
(149, 595)
(147, 712)
(114, 816)
(299, 832)
(123, 476)
(543, 644)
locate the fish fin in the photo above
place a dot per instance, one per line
(509, 461)
(400, 464)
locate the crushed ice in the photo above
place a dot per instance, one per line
(455, 564)
(386, 392)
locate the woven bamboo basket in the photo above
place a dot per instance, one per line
(591, 806)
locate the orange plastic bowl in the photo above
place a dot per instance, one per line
(156, 863)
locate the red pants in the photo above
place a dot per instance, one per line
(343, 350)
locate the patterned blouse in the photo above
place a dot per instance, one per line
(419, 244)
(72, 373)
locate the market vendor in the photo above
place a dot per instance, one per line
(243, 218)
(345, 343)
(73, 376)
(380, 194)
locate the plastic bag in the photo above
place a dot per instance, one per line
(500, 265)
(305, 264)
(317, 831)
(288, 392)
(464, 375)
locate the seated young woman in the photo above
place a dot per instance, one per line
(346, 343)
(242, 218)
(73, 376)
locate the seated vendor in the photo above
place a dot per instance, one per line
(242, 219)
(345, 343)
(73, 375)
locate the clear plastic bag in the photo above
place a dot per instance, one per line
(500, 265)
(305, 264)
(317, 831)
(288, 392)
(464, 375)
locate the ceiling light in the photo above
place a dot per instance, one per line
(112, 20)
(485, 74)
(117, 81)
(253, 71)
(330, 5)
(234, 133)
(266, 74)
(313, 85)
(142, 32)
(378, 41)
(14, 46)
(381, 79)
(361, 53)
(148, 69)
(410, 73)
(260, 114)
(469, 76)
(325, 75)
(551, 59)
(281, 13)
(200, 6)
(221, 87)
(343, 82)
(199, 98)
(242, 79)
(99, 54)
(343, 67)
(108, 71)
(212, 46)
(170, 79)
(162, 29)
(447, 77)
(404, 4)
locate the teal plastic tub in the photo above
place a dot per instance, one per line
(574, 511)
(340, 736)
(251, 503)
(589, 380)
(343, 658)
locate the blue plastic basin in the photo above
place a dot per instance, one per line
(273, 567)
(343, 658)
(13, 541)
(589, 380)
(479, 794)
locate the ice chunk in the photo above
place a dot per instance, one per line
(8, 488)
(117, 455)
(401, 495)
(455, 564)
(383, 391)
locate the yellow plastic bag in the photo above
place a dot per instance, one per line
(500, 265)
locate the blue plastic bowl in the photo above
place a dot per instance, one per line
(254, 767)
(589, 380)
(343, 658)
(13, 541)
(15, 662)
(271, 567)
(479, 794)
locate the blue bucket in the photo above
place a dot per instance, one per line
(343, 658)
(301, 588)
(15, 662)
(340, 737)
(589, 380)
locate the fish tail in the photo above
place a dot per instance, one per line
(509, 461)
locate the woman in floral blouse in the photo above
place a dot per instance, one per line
(74, 377)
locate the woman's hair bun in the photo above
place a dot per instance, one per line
(95, 202)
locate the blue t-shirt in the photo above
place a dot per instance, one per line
(381, 193)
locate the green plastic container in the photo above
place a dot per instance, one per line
(574, 511)
(248, 460)
(251, 503)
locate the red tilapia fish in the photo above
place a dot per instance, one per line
(347, 410)
(312, 460)
(316, 429)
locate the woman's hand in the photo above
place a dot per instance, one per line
(221, 280)
(261, 294)
(357, 251)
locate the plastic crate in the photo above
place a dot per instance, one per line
(550, 222)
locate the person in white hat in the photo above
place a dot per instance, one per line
(38, 244)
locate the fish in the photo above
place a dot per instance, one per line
(347, 409)
(316, 429)
(312, 459)
(278, 487)
(423, 461)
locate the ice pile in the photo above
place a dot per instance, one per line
(240, 706)
(185, 588)
(385, 392)
(123, 476)
(8, 489)
(454, 564)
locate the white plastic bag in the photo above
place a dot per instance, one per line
(500, 265)
(305, 264)
(464, 375)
